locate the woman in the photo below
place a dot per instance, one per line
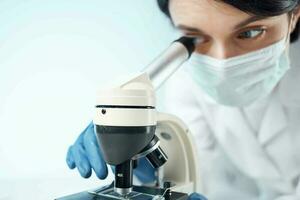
(241, 98)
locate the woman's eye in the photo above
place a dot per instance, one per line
(251, 33)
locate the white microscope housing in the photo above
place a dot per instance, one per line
(132, 105)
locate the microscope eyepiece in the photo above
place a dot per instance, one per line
(189, 44)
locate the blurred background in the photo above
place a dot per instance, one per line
(54, 54)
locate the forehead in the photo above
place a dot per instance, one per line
(196, 13)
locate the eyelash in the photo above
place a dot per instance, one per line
(260, 30)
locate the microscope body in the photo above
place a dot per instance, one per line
(125, 123)
(128, 127)
(127, 132)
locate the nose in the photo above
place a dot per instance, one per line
(221, 50)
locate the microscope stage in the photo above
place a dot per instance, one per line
(138, 193)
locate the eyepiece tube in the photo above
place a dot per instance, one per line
(170, 60)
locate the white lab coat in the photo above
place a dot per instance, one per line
(244, 153)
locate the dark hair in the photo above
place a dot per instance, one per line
(255, 7)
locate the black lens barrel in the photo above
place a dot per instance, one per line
(123, 175)
(157, 158)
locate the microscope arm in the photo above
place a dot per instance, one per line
(177, 142)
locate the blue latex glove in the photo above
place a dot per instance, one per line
(85, 155)
(196, 196)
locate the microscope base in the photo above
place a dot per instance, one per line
(139, 193)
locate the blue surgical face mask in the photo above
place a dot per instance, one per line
(240, 80)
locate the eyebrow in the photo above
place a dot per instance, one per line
(250, 20)
(239, 25)
(187, 28)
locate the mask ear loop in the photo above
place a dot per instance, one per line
(287, 41)
(290, 28)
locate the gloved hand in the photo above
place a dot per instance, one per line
(196, 196)
(85, 155)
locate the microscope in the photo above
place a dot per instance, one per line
(128, 127)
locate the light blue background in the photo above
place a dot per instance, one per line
(54, 54)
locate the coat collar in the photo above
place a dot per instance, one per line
(242, 145)
(274, 122)
(245, 147)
